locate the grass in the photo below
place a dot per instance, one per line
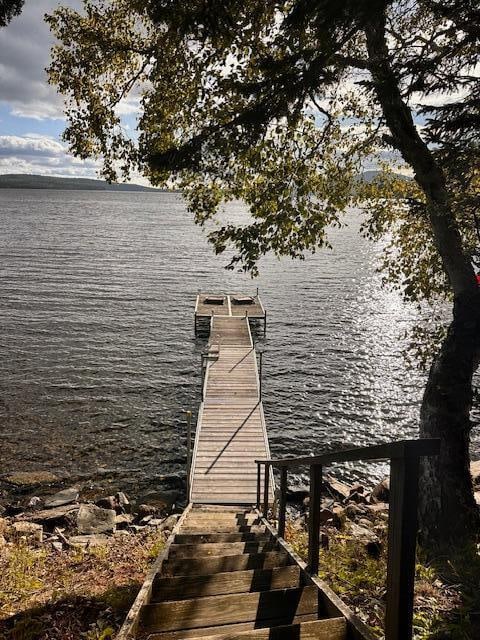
(447, 592)
(78, 594)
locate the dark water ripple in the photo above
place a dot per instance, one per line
(99, 359)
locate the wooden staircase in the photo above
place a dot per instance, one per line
(225, 576)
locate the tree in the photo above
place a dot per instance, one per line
(279, 103)
(9, 9)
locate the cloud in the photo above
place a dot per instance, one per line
(24, 54)
(30, 146)
(42, 155)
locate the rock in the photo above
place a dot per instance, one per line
(378, 508)
(58, 546)
(48, 516)
(381, 491)
(89, 541)
(66, 496)
(339, 517)
(155, 522)
(352, 511)
(145, 520)
(123, 502)
(146, 510)
(477, 497)
(475, 471)
(169, 522)
(93, 519)
(336, 488)
(325, 515)
(34, 502)
(123, 520)
(3, 542)
(357, 488)
(369, 538)
(136, 528)
(364, 522)
(27, 479)
(108, 502)
(29, 530)
(359, 498)
(162, 501)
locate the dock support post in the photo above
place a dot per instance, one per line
(314, 518)
(264, 324)
(402, 539)
(282, 509)
(266, 484)
(189, 450)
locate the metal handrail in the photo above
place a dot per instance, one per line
(404, 456)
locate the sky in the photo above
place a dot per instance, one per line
(31, 117)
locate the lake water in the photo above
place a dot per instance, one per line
(99, 360)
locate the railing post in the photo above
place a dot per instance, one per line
(266, 484)
(283, 501)
(258, 486)
(260, 375)
(189, 450)
(314, 518)
(402, 538)
(202, 377)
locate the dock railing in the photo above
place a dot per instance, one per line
(404, 459)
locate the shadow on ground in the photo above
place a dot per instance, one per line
(72, 618)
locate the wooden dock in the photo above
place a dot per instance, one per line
(226, 573)
(231, 431)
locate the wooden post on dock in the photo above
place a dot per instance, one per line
(189, 450)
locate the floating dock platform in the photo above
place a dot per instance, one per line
(233, 305)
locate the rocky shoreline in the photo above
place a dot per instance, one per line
(363, 512)
(76, 515)
(85, 515)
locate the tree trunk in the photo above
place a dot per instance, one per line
(447, 506)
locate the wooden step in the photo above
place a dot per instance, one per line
(220, 549)
(225, 631)
(177, 615)
(195, 529)
(184, 587)
(220, 564)
(331, 629)
(230, 520)
(200, 538)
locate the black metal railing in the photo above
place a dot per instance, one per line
(404, 459)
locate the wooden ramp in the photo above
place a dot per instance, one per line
(231, 432)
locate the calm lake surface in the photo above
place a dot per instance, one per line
(99, 359)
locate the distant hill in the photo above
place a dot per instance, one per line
(369, 176)
(27, 181)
